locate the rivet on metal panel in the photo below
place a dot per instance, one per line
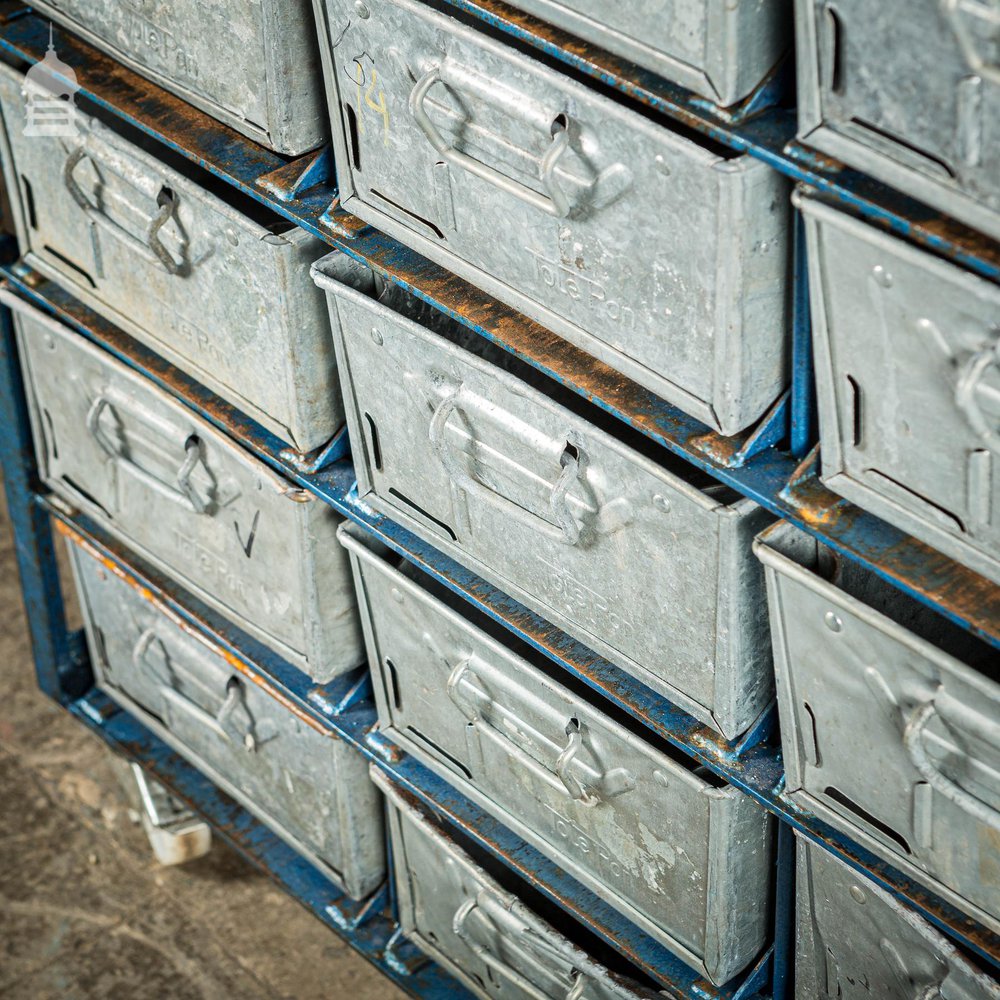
(833, 623)
(661, 503)
(362, 10)
(858, 895)
(377, 337)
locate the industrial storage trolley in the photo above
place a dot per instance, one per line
(253, 664)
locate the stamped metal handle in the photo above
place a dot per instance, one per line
(617, 783)
(566, 529)
(183, 492)
(913, 733)
(967, 394)
(152, 249)
(223, 723)
(521, 935)
(554, 202)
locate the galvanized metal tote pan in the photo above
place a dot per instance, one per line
(890, 720)
(720, 51)
(485, 936)
(685, 857)
(309, 787)
(252, 64)
(636, 554)
(209, 279)
(146, 468)
(660, 255)
(854, 941)
(908, 379)
(909, 92)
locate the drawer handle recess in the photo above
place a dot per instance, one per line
(222, 723)
(967, 394)
(612, 784)
(566, 529)
(183, 493)
(554, 202)
(913, 733)
(536, 947)
(152, 249)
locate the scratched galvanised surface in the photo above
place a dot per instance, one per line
(191, 501)
(666, 258)
(908, 384)
(688, 860)
(854, 941)
(192, 274)
(252, 64)
(888, 721)
(909, 92)
(626, 553)
(284, 767)
(488, 938)
(720, 51)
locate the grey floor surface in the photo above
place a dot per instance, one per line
(85, 911)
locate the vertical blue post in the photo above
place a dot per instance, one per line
(784, 914)
(59, 675)
(803, 407)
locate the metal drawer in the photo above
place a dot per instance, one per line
(665, 258)
(909, 92)
(264, 81)
(908, 381)
(193, 273)
(855, 942)
(625, 553)
(485, 936)
(185, 497)
(885, 735)
(309, 787)
(720, 51)
(685, 858)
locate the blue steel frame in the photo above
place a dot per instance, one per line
(301, 190)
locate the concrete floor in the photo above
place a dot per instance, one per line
(85, 911)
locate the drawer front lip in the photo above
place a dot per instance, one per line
(211, 318)
(268, 122)
(395, 607)
(347, 851)
(797, 597)
(928, 504)
(736, 689)
(411, 835)
(738, 47)
(733, 370)
(822, 876)
(274, 590)
(868, 151)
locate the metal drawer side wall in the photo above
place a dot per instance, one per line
(751, 678)
(307, 530)
(760, 206)
(704, 929)
(881, 659)
(360, 866)
(284, 95)
(233, 345)
(408, 825)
